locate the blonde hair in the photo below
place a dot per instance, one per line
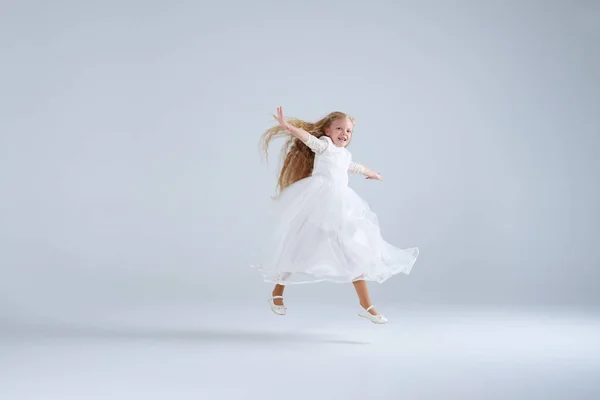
(297, 158)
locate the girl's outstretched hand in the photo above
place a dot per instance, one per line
(374, 175)
(280, 119)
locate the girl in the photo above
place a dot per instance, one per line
(324, 231)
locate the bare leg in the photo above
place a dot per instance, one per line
(278, 291)
(363, 295)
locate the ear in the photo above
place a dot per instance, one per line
(327, 131)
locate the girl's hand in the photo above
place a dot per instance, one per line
(294, 131)
(280, 119)
(374, 175)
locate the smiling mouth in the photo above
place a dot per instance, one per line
(343, 139)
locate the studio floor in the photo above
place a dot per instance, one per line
(246, 352)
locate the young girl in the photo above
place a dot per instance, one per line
(324, 231)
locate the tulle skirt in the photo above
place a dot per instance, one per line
(324, 231)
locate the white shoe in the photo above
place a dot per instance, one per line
(279, 310)
(376, 319)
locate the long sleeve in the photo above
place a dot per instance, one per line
(316, 145)
(356, 168)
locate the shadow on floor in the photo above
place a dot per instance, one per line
(200, 334)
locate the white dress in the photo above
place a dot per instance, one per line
(321, 230)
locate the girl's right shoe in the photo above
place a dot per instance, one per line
(376, 319)
(279, 310)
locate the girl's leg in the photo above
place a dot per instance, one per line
(363, 295)
(278, 291)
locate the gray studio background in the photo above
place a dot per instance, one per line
(131, 176)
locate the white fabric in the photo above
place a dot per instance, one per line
(356, 168)
(323, 231)
(318, 146)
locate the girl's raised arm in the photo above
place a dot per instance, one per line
(308, 139)
(297, 132)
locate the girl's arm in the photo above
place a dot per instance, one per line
(297, 132)
(360, 169)
(311, 141)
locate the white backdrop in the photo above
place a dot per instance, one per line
(129, 133)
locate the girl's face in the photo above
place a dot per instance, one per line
(340, 132)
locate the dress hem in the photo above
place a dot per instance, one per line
(406, 271)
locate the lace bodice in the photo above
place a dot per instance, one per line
(331, 161)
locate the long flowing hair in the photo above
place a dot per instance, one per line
(297, 158)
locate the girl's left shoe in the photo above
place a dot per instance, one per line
(279, 310)
(376, 319)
